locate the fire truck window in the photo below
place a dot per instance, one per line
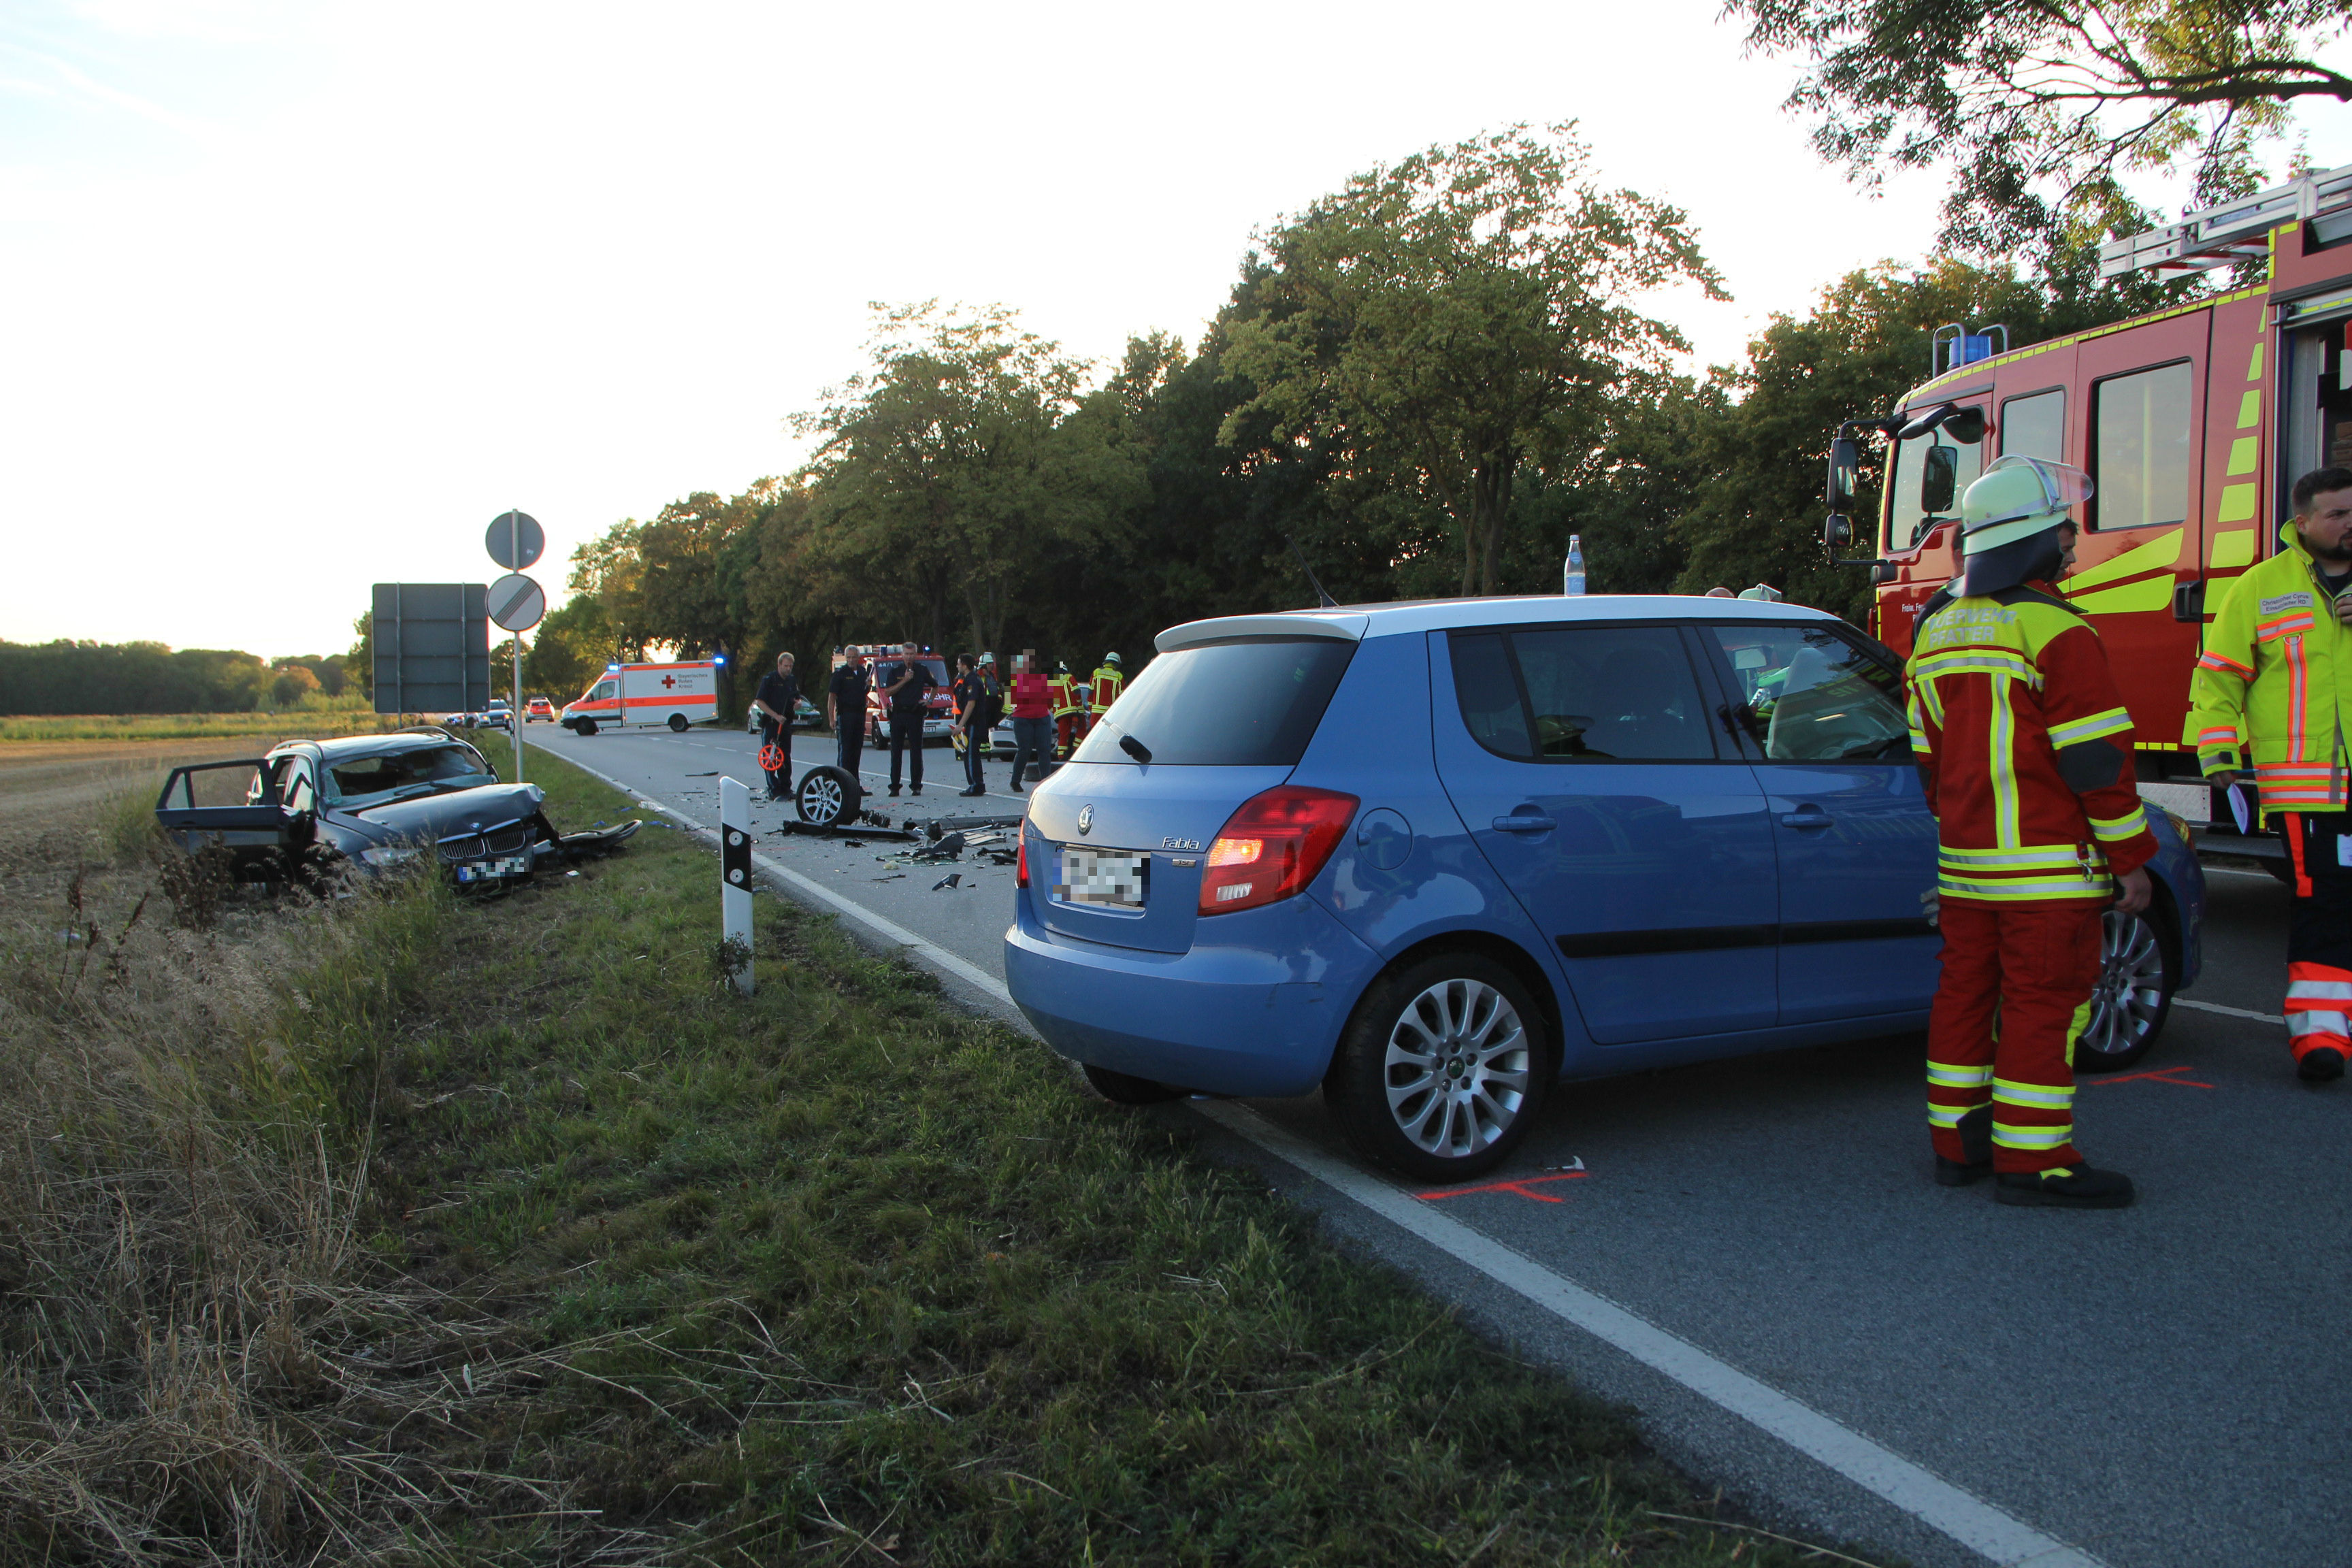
(1613, 694)
(1908, 520)
(1810, 696)
(2139, 448)
(2035, 426)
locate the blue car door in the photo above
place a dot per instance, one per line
(1820, 712)
(1588, 767)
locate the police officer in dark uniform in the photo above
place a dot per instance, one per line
(845, 709)
(907, 686)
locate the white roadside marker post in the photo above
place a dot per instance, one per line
(735, 876)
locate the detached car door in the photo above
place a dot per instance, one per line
(1820, 712)
(1585, 761)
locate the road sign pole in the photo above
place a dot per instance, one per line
(735, 878)
(514, 710)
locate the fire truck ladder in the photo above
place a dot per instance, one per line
(2237, 231)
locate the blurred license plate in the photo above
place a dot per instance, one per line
(1105, 880)
(486, 871)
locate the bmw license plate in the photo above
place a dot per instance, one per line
(489, 871)
(1105, 880)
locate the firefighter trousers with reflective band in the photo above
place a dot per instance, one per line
(2318, 933)
(2015, 992)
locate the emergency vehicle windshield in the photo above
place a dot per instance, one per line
(1910, 518)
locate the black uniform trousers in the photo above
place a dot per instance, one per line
(906, 736)
(852, 740)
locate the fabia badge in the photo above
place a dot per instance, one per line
(1086, 820)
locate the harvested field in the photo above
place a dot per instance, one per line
(51, 792)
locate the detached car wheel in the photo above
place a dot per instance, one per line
(825, 796)
(1442, 1070)
(1126, 1088)
(2132, 996)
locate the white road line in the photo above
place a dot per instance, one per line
(2227, 1012)
(1927, 1497)
(1979, 1525)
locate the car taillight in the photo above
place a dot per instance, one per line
(1021, 870)
(1273, 847)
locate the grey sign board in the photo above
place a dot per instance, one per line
(431, 647)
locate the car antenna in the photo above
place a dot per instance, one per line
(1328, 603)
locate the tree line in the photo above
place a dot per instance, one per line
(67, 677)
(1420, 386)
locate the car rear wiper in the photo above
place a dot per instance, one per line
(1135, 748)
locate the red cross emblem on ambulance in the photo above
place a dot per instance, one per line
(669, 680)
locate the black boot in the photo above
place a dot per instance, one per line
(2321, 1064)
(2067, 1187)
(1976, 1142)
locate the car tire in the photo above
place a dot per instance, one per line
(585, 727)
(678, 724)
(1457, 1016)
(2139, 969)
(1126, 1088)
(827, 796)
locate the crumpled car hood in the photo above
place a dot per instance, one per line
(429, 818)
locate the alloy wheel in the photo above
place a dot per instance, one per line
(1457, 1067)
(2129, 999)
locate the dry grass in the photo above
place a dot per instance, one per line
(200, 1366)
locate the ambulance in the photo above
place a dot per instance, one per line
(632, 696)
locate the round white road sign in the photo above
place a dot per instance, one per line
(517, 602)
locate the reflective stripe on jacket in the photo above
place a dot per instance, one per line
(1064, 694)
(2275, 679)
(1107, 682)
(1999, 685)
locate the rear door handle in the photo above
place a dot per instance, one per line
(1524, 824)
(1808, 817)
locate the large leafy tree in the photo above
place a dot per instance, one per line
(958, 461)
(2043, 107)
(1756, 510)
(1454, 319)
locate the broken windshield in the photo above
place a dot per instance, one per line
(362, 782)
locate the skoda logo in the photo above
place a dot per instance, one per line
(1086, 820)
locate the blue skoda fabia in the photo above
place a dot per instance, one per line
(1437, 857)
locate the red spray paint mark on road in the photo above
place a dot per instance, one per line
(1519, 1187)
(2161, 1074)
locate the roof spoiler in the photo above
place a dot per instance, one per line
(1230, 628)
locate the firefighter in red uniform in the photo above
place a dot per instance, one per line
(1063, 691)
(2024, 748)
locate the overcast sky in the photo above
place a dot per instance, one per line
(300, 295)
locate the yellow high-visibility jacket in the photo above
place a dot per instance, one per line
(2276, 680)
(1108, 681)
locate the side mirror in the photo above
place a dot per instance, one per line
(1967, 426)
(1837, 531)
(1939, 478)
(1845, 473)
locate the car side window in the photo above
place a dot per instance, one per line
(296, 790)
(1613, 694)
(1488, 693)
(1809, 695)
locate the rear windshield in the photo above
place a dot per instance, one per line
(1253, 702)
(372, 781)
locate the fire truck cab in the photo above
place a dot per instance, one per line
(939, 711)
(2194, 424)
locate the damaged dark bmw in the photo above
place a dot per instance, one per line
(370, 802)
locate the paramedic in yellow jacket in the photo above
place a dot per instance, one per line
(2275, 681)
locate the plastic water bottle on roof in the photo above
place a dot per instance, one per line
(1571, 575)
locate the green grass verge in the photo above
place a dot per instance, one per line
(838, 1269)
(320, 721)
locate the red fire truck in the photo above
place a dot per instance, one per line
(2194, 422)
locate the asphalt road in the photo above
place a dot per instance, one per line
(2160, 1387)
